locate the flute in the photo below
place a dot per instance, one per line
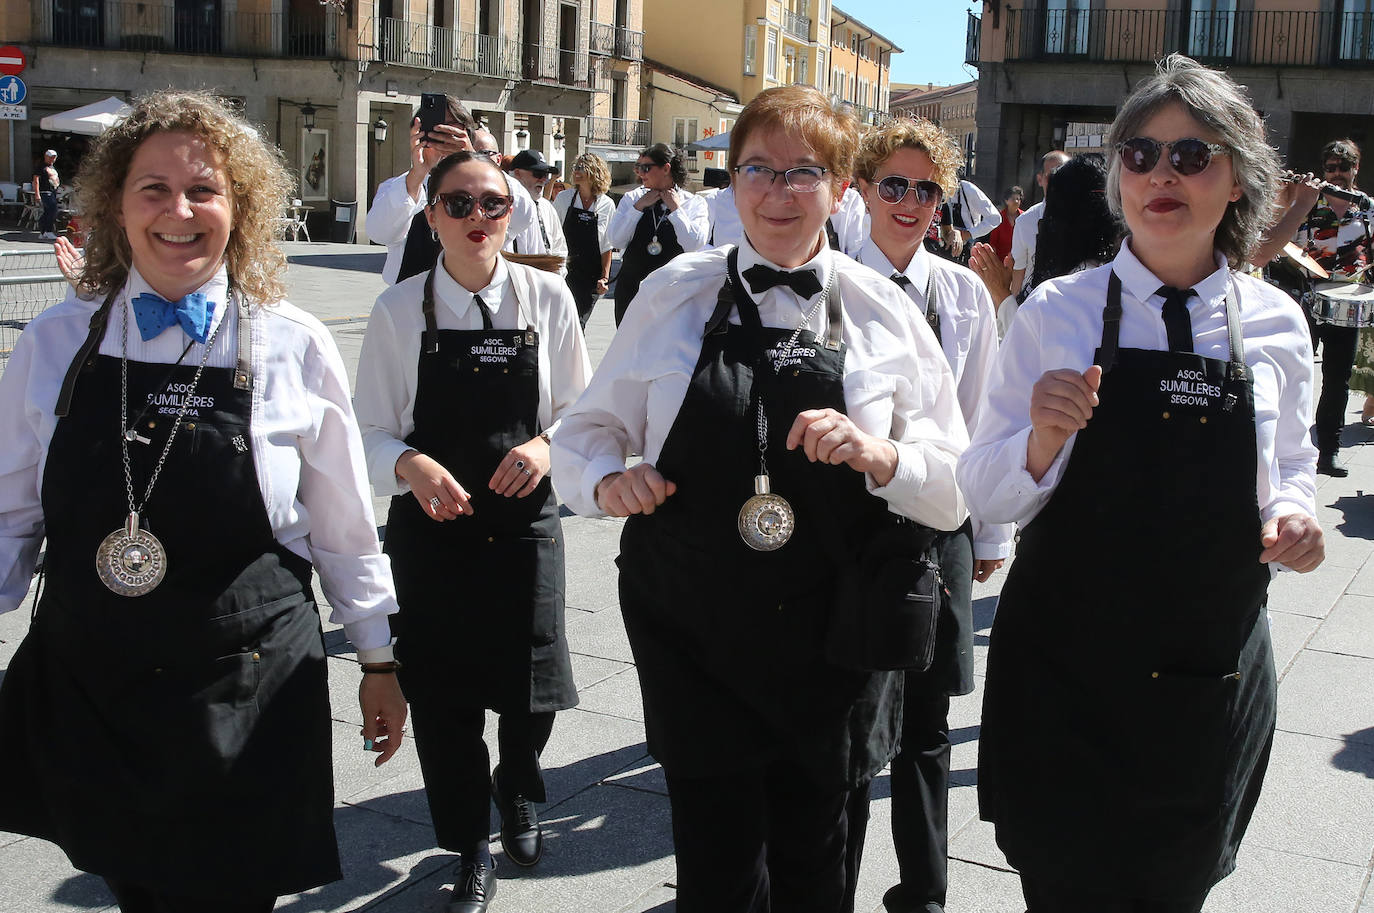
(1360, 200)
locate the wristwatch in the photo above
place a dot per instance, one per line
(545, 436)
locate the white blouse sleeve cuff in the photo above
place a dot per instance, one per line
(371, 637)
(1283, 507)
(382, 457)
(909, 475)
(991, 543)
(358, 588)
(20, 556)
(597, 470)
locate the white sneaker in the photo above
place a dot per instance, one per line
(47, 236)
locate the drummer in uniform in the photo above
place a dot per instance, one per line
(1336, 234)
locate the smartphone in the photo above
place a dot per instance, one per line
(433, 111)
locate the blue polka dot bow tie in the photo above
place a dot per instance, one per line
(155, 314)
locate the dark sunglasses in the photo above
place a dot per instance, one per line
(894, 188)
(459, 204)
(645, 167)
(1186, 156)
(1329, 168)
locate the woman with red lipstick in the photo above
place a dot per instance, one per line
(781, 370)
(1147, 429)
(464, 374)
(903, 170)
(181, 437)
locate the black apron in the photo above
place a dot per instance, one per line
(421, 251)
(481, 596)
(584, 254)
(1130, 696)
(181, 739)
(729, 642)
(636, 262)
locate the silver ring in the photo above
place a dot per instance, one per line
(527, 472)
(519, 464)
(434, 503)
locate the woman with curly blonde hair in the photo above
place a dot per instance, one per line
(168, 711)
(905, 169)
(586, 211)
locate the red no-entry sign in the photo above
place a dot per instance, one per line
(12, 60)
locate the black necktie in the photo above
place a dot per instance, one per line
(932, 316)
(1177, 323)
(803, 281)
(486, 312)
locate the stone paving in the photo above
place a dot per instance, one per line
(608, 845)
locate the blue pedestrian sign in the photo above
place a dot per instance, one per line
(12, 90)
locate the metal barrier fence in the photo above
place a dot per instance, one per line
(29, 284)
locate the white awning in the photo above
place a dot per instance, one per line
(89, 120)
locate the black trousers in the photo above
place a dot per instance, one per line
(135, 898)
(919, 778)
(585, 296)
(457, 767)
(1338, 358)
(48, 221)
(757, 841)
(1043, 897)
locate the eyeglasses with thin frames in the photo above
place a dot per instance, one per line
(802, 179)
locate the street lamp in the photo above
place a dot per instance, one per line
(308, 112)
(379, 130)
(522, 139)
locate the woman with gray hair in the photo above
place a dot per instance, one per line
(1156, 458)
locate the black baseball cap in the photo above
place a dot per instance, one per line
(531, 160)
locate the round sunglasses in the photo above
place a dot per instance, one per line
(459, 204)
(1188, 156)
(894, 188)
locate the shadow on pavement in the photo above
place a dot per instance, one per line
(984, 610)
(1358, 519)
(86, 891)
(1356, 754)
(360, 263)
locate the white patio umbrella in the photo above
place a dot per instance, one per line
(89, 120)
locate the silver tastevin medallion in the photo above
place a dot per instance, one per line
(653, 247)
(131, 561)
(766, 520)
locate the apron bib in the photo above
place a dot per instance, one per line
(148, 732)
(729, 641)
(584, 246)
(636, 263)
(1130, 684)
(482, 596)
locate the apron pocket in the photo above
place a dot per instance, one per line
(1182, 741)
(546, 579)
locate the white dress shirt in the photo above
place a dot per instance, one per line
(602, 206)
(851, 221)
(388, 367)
(691, 220)
(306, 448)
(1060, 326)
(980, 215)
(393, 208)
(726, 228)
(547, 217)
(968, 336)
(1023, 236)
(897, 384)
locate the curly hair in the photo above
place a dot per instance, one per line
(260, 187)
(597, 171)
(1222, 106)
(880, 144)
(1078, 226)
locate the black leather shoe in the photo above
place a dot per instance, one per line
(900, 900)
(521, 836)
(1331, 464)
(473, 888)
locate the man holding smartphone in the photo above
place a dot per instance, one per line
(441, 127)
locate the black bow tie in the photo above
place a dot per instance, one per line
(804, 281)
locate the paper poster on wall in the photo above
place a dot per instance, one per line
(315, 164)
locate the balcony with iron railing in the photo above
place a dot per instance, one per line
(104, 24)
(616, 41)
(973, 39)
(1271, 38)
(411, 44)
(617, 131)
(551, 64)
(796, 24)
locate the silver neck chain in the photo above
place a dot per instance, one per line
(777, 365)
(126, 432)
